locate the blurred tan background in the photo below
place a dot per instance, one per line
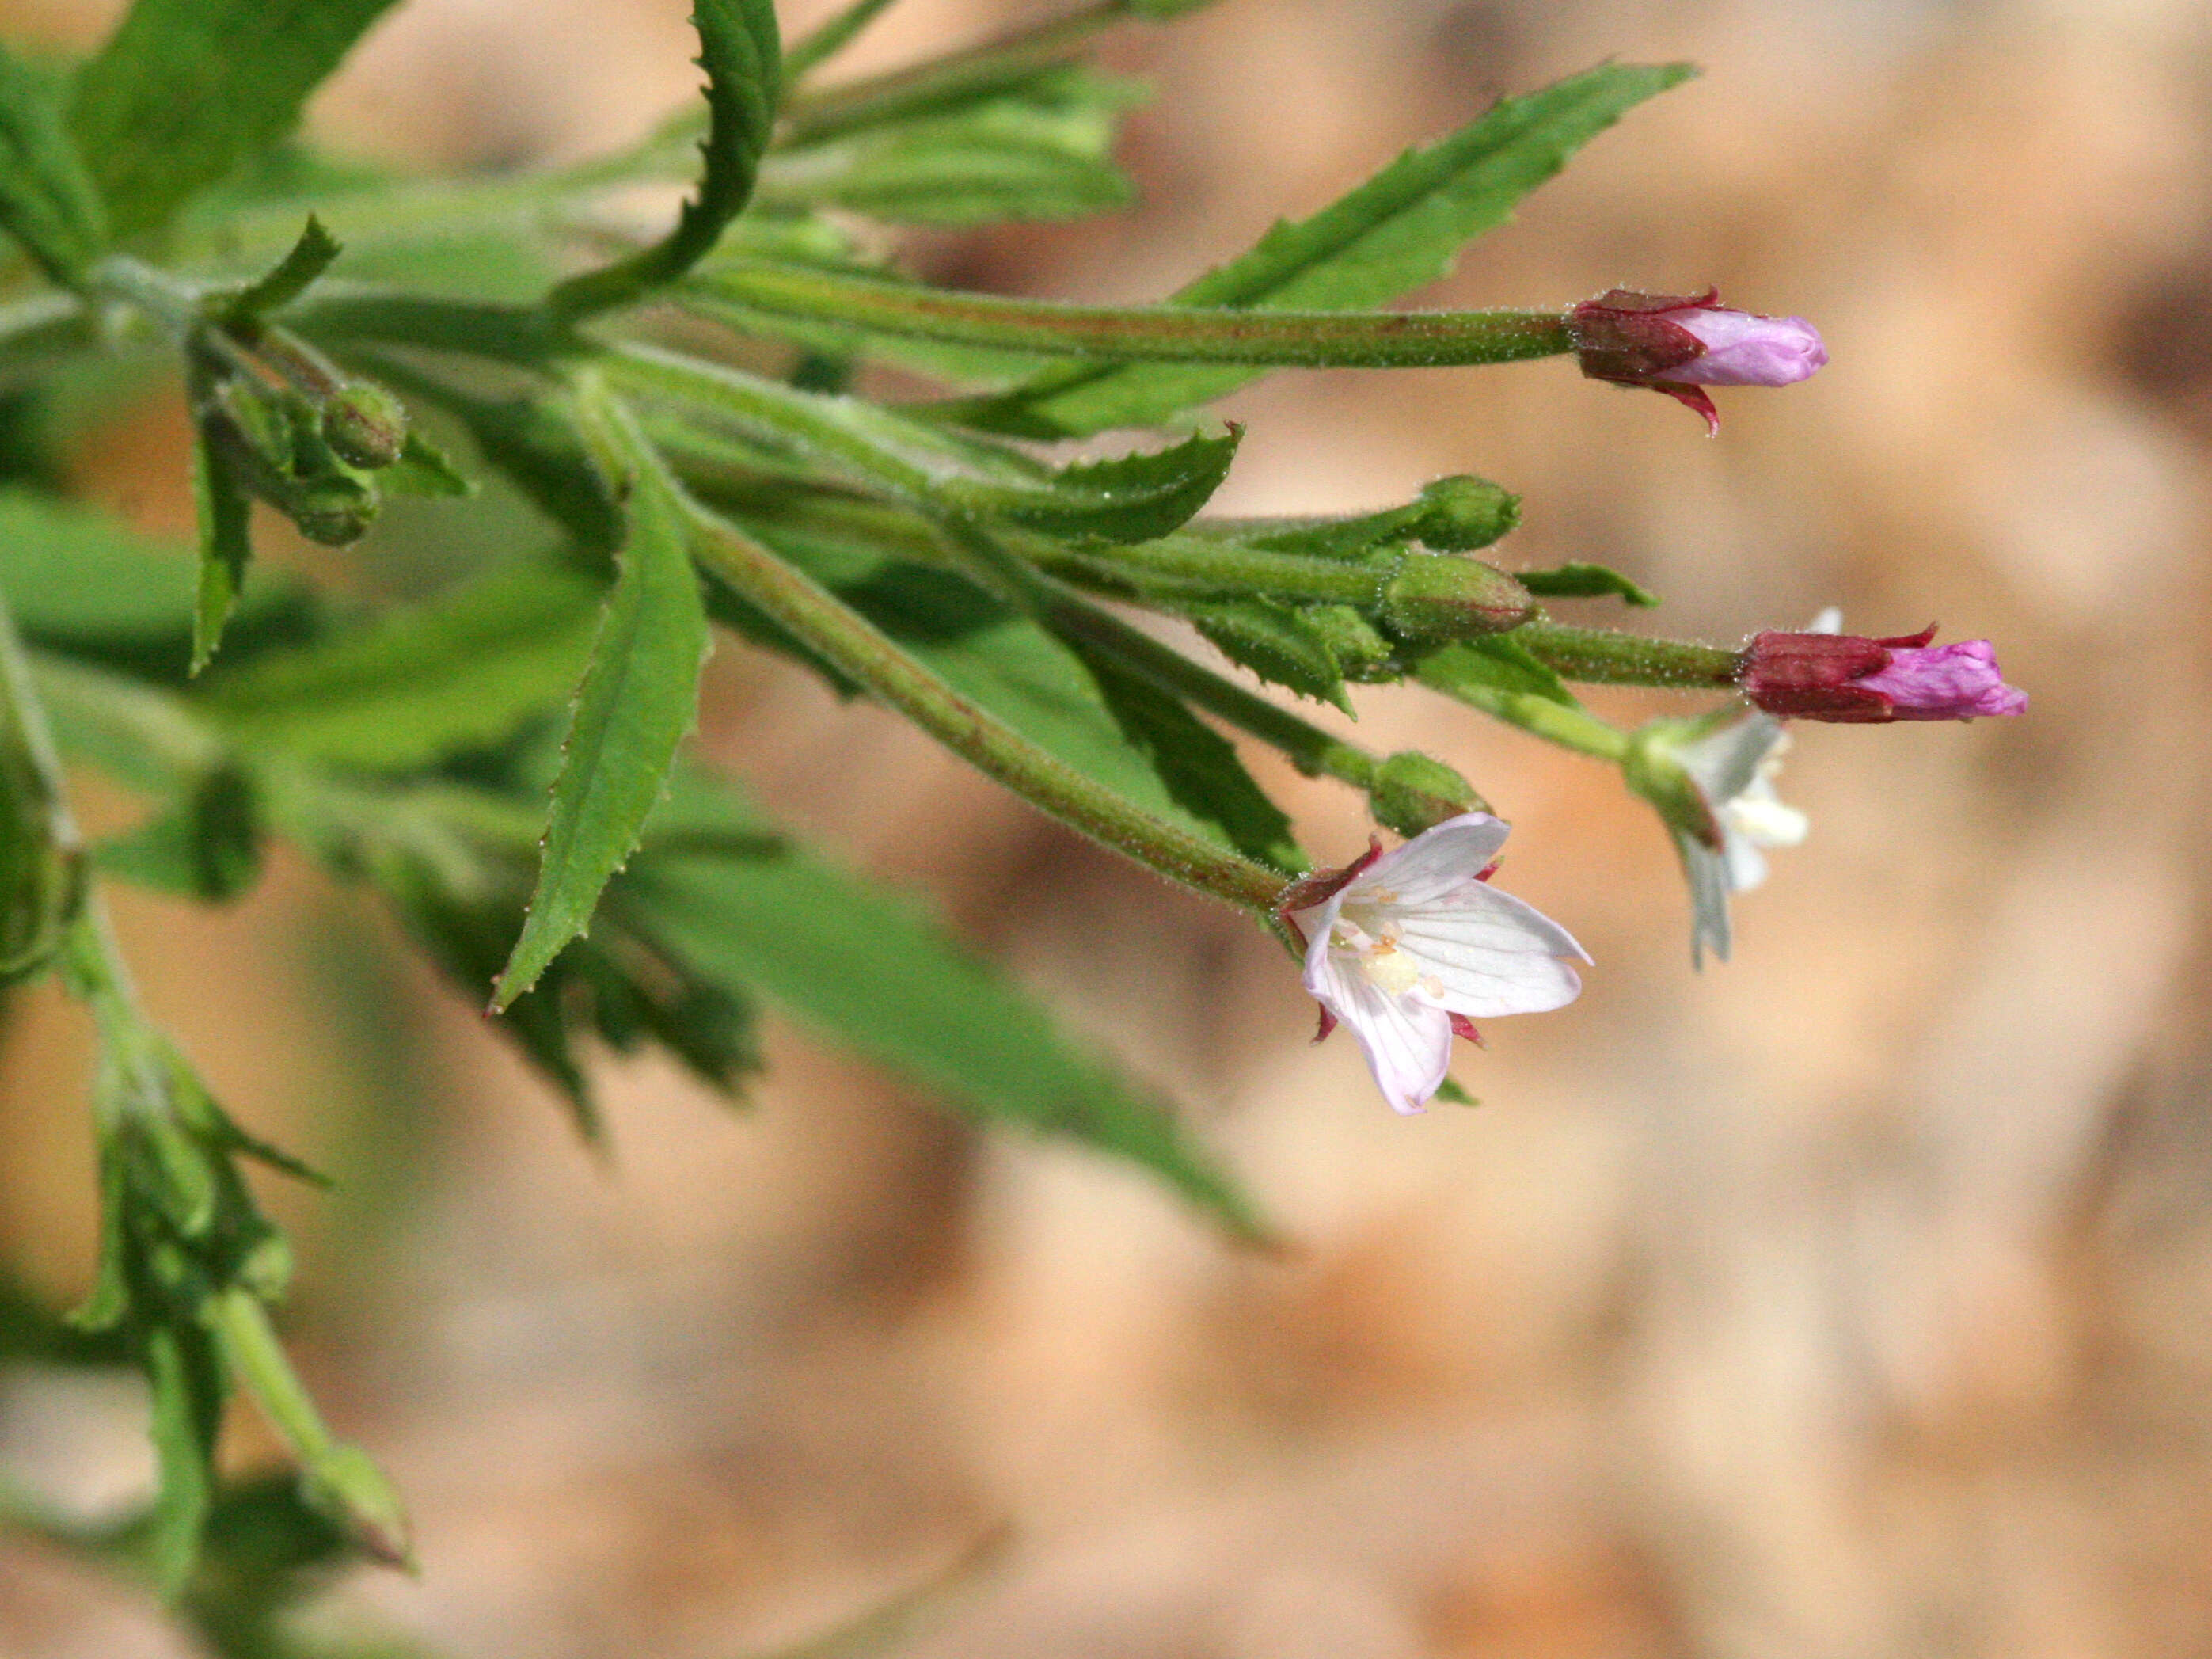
(1851, 1299)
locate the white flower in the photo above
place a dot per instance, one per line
(1409, 947)
(1734, 770)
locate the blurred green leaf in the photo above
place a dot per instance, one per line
(739, 49)
(225, 512)
(864, 967)
(1577, 581)
(207, 847)
(186, 91)
(418, 684)
(47, 202)
(286, 281)
(1041, 150)
(639, 697)
(1401, 229)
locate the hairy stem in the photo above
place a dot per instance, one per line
(1175, 334)
(1604, 656)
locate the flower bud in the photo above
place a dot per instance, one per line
(1681, 343)
(365, 424)
(1848, 679)
(1438, 598)
(336, 511)
(1414, 793)
(1460, 513)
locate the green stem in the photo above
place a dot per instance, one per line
(1604, 656)
(1308, 748)
(1199, 564)
(856, 649)
(1539, 715)
(829, 38)
(1175, 334)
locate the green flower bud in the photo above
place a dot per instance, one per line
(1461, 514)
(336, 511)
(365, 424)
(1436, 599)
(1413, 793)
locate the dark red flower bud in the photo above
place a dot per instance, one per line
(1850, 680)
(1681, 343)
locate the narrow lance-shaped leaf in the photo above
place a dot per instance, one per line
(639, 698)
(465, 669)
(226, 512)
(315, 252)
(1039, 151)
(740, 50)
(1401, 228)
(40, 872)
(1126, 498)
(1577, 581)
(865, 968)
(47, 201)
(186, 90)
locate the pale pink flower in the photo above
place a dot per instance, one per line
(1410, 947)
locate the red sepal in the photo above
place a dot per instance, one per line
(1323, 885)
(1464, 1027)
(1814, 676)
(1328, 1024)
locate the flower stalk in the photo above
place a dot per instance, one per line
(1175, 334)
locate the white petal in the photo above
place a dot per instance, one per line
(1725, 763)
(1830, 621)
(1707, 874)
(1407, 1042)
(1743, 864)
(1435, 861)
(1489, 953)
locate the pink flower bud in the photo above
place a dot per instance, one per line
(1846, 678)
(1681, 343)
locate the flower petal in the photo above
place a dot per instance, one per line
(1491, 953)
(1407, 1041)
(1440, 858)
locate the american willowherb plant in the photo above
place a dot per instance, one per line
(502, 760)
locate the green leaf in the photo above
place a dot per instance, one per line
(1127, 498)
(1399, 230)
(315, 252)
(864, 967)
(423, 469)
(1494, 663)
(1577, 581)
(185, 1374)
(1002, 662)
(1275, 642)
(639, 697)
(739, 49)
(186, 91)
(225, 512)
(463, 670)
(207, 847)
(1041, 150)
(831, 36)
(41, 875)
(1200, 767)
(47, 201)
